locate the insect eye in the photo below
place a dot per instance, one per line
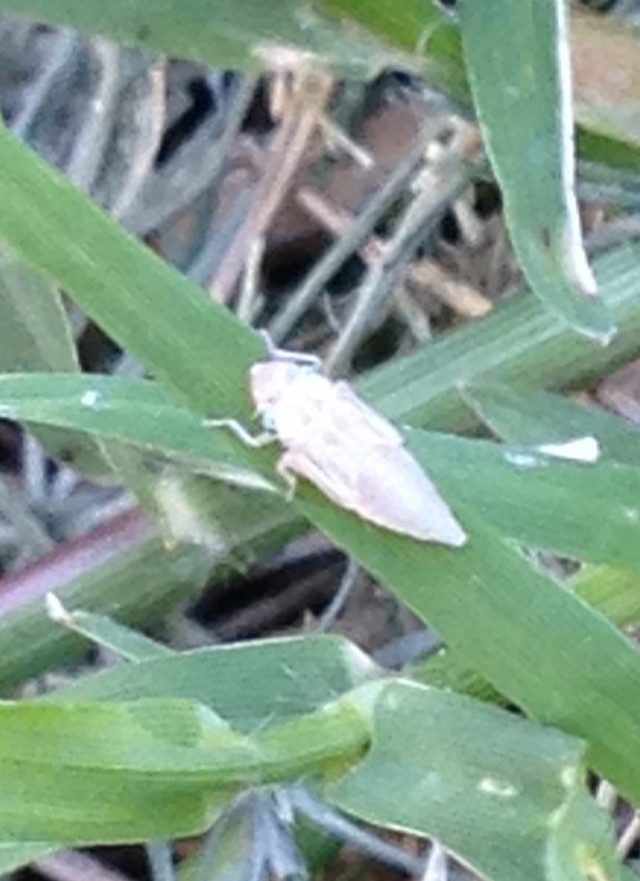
(269, 421)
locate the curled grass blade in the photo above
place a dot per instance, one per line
(522, 93)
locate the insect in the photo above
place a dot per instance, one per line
(350, 452)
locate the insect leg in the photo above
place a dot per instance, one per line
(288, 476)
(333, 483)
(235, 427)
(276, 354)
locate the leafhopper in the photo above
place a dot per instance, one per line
(351, 453)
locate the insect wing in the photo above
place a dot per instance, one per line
(381, 483)
(387, 485)
(393, 491)
(361, 420)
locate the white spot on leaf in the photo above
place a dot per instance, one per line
(55, 610)
(568, 776)
(523, 460)
(181, 521)
(91, 399)
(582, 449)
(499, 788)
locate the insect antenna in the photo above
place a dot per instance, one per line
(276, 354)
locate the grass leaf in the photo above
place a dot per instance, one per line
(503, 795)
(522, 93)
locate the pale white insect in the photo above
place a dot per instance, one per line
(350, 452)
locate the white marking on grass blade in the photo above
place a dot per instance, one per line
(572, 248)
(350, 452)
(283, 57)
(500, 788)
(90, 398)
(180, 519)
(523, 459)
(569, 777)
(56, 611)
(582, 449)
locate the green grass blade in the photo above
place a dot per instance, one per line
(586, 511)
(522, 92)
(126, 643)
(13, 856)
(77, 775)
(128, 772)
(226, 33)
(520, 343)
(540, 646)
(135, 411)
(34, 332)
(155, 313)
(462, 771)
(531, 419)
(95, 573)
(505, 796)
(35, 335)
(304, 672)
(615, 592)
